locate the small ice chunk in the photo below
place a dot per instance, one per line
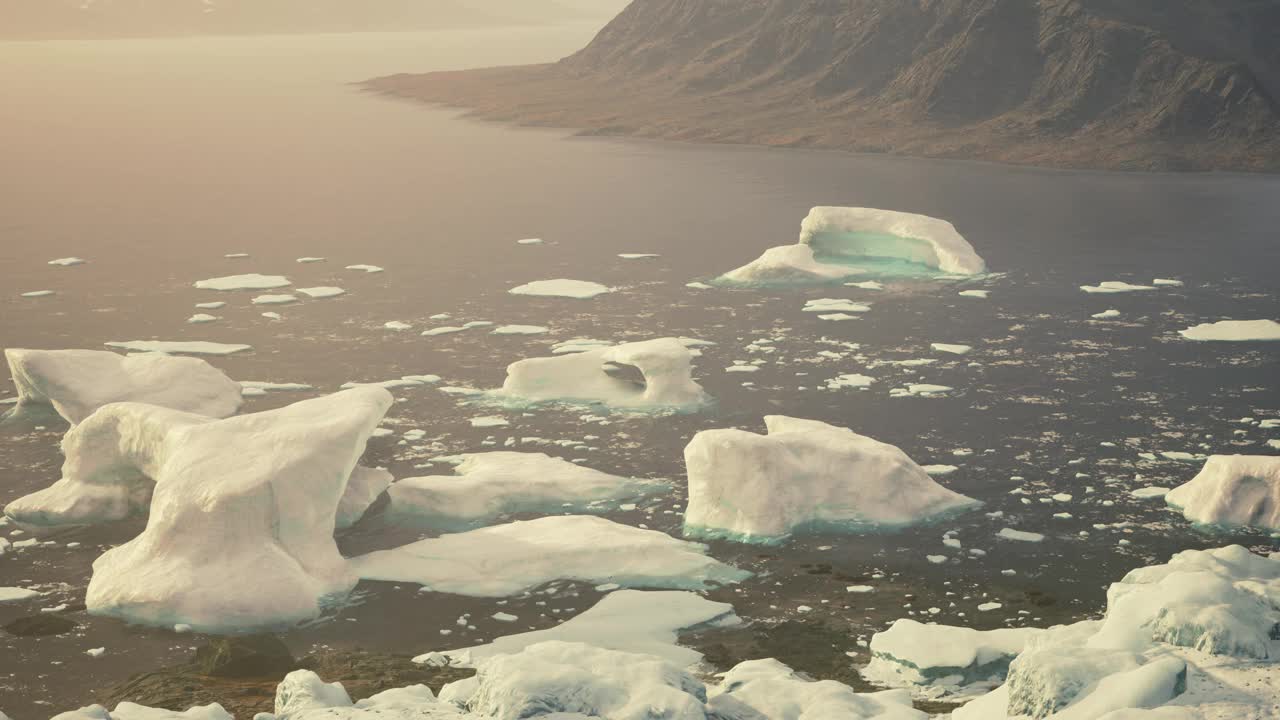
(1165, 282)
(953, 349)
(365, 268)
(182, 347)
(307, 260)
(935, 470)
(68, 261)
(505, 617)
(866, 285)
(274, 299)
(520, 330)
(397, 325)
(529, 241)
(96, 652)
(199, 318)
(637, 256)
(851, 380)
(836, 305)
(489, 421)
(37, 293)
(235, 256)
(1106, 314)
(1020, 535)
(1148, 493)
(974, 293)
(211, 305)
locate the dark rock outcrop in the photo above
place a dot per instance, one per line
(1128, 84)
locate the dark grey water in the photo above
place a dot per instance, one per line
(154, 159)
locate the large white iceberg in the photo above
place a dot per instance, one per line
(840, 242)
(242, 510)
(652, 374)
(1232, 490)
(75, 383)
(507, 559)
(805, 475)
(302, 695)
(635, 621)
(494, 483)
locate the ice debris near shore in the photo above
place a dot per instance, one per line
(251, 281)
(491, 484)
(840, 242)
(943, 658)
(75, 383)
(1234, 331)
(1232, 490)
(634, 621)
(264, 490)
(651, 374)
(507, 559)
(805, 475)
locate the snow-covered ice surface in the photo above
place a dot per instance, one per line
(251, 281)
(578, 289)
(1233, 331)
(841, 242)
(942, 659)
(1232, 490)
(487, 485)
(508, 559)
(806, 476)
(646, 375)
(262, 491)
(75, 383)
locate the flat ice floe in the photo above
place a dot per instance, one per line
(491, 484)
(652, 374)
(979, 294)
(1106, 314)
(841, 242)
(365, 268)
(306, 260)
(324, 291)
(274, 299)
(520, 330)
(952, 348)
(634, 621)
(835, 305)
(261, 489)
(68, 261)
(1234, 331)
(578, 289)
(211, 305)
(252, 281)
(508, 559)
(638, 256)
(200, 318)
(1114, 286)
(805, 475)
(75, 383)
(180, 347)
(1232, 490)
(397, 325)
(529, 241)
(38, 293)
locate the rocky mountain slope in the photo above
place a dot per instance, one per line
(1129, 84)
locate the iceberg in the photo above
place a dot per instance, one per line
(1232, 490)
(578, 289)
(841, 242)
(494, 483)
(133, 711)
(633, 621)
(185, 347)
(302, 695)
(507, 559)
(911, 654)
(75, 383)
(252, 281)
(240, 532)
(652, 374)
(1233, 331)
(805, 475)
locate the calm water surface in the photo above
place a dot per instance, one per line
(154, 159)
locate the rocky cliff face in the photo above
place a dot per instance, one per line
(1157, 84)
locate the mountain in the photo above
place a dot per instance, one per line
(34, 19)
(1118, 84)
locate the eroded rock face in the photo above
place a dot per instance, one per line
(1153, 84)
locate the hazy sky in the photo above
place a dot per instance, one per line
(123, 18)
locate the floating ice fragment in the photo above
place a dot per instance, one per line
(1232, 490)
(184, 347)
(251, 281)
(1106, 314)
(211, 305)
(579, 289)
(520, 330)
(866, 285)
(37, 293)
(274, 299)
(529, 241)
(1234, 331)
(1020, 535)
(835, 305)
(68, 261)
(981, 294)
(637, 256)
(201, 318)
(1166, 282)
(307, 260)
(953, 349)
(365, 268)
(1114, 286)
(851, 380)
(322, 292)
(16, 594)
(397, 325)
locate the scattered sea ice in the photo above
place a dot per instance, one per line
(866, 285)
(851, 380)
(698, 285)
(272, 316)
